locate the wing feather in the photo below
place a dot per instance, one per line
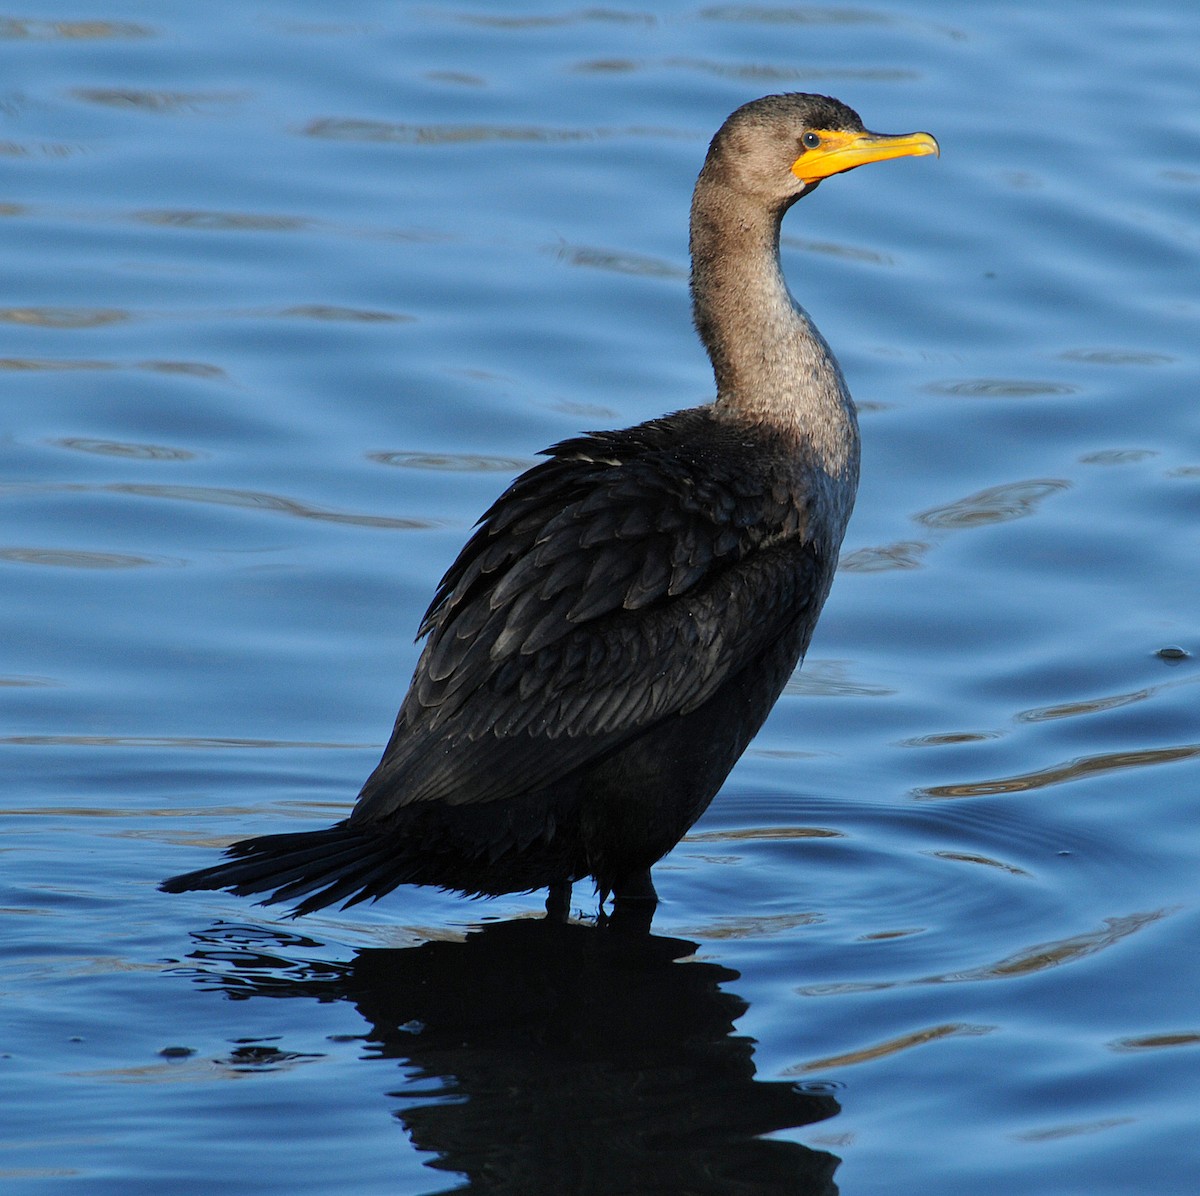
(620, 583)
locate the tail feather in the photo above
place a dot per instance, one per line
(336, 860)
(379, 883)
(352, 886)
(293, 874)
(477, 849)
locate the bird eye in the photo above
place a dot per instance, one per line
(810, 140)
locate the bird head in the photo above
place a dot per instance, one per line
(782, 146)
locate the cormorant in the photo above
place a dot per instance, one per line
(626, 614)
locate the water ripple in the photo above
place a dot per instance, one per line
(452, 462)
(831, 678)
(752, 73)
(37, 364)
(850, 253)
(198, 219)
(1073, 1129)
(45, 149)
(892, 1046)
(1116, 357)
(79, 318)
(243, 1059)
(78, 558)
(1033, 959)
(763, 834)
(903, 554)
(966, 857)
(607, 16)
(260, 501)
(948, 738)
(1060, 774)
(333, 313)
(28, 682)
(220, 496)
(194, 369)
(997, 504)
(617, 262)
(1003, 388)
(751, 927)
(157, 101)
(124, 450)
(21, 30)
(331, 128)
(1041, 714)
(63, 317)
(1154, 1042)
(764, 14)
(1117, 456)
(174, 742)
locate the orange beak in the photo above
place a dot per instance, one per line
(840, 151)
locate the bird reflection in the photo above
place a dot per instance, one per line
(551, 1057)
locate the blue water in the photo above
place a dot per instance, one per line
(290, 291)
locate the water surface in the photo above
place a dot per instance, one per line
(290, 293)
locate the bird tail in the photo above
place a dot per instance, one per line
(328, 865)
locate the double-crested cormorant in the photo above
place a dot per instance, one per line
(628, 611)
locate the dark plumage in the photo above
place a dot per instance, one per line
(628, 611)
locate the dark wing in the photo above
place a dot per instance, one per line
(618, 584)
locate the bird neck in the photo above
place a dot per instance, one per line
(772, 366)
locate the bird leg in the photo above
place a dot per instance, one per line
(558, 901)
(635, 888)
(633, 905)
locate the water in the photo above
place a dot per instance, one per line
(290, 292)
